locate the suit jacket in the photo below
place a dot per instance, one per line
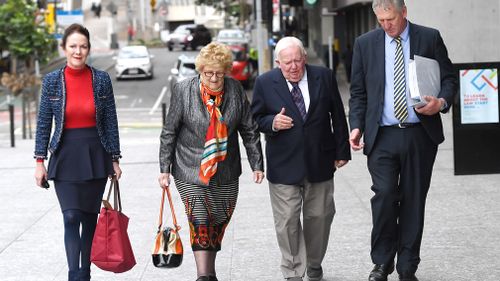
(310, 147)
(182, 140)
(368, 80)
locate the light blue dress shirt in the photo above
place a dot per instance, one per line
(388, 117)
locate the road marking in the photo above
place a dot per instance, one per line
(135, 101)
(158, 100)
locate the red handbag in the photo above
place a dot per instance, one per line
(111, 249)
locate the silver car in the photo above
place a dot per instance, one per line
(133, 62)
(232, 37)
(184, 68)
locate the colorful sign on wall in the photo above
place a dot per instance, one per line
(479, 96)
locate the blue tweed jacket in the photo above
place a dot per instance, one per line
(53, 104)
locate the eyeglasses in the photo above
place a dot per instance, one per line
(217, 74)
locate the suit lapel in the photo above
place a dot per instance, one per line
(414, 40)
(380, 62)
(314, 86)
(281, 88)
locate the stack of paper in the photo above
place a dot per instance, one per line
(424, 79)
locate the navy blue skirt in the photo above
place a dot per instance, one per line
(80, 168)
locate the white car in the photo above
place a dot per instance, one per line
(134, 62)
(232, 37)
(184, 68)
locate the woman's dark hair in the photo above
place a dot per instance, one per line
(75, 28)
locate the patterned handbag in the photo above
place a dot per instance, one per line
(167, 249)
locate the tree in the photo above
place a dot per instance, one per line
(26, 38)
(23, 34)
(243, 9)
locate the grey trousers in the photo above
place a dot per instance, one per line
(302, 244)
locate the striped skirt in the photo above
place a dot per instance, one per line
(209, 210)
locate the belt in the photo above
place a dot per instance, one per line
(404, 125)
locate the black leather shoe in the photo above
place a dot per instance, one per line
(203, 278)
(212, 278)
(380, 272)
(406, 276)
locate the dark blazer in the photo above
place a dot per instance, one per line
(368, 80)
(182, 140)
(310, 147)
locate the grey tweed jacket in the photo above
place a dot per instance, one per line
(183, 137)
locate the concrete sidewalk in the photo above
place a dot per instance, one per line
(460, 241)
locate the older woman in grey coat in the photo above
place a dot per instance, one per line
(199, 147)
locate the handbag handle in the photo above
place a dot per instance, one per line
(117, 201)
(160, 220)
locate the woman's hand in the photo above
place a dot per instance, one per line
(164, 180)
(40, 174)
(118, 171)
(258, 176)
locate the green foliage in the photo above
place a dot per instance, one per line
(208, 2)
(21, 34)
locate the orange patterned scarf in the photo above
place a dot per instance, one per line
(216, 138)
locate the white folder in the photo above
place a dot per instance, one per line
(424, 79)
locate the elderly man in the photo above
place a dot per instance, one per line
(298, 108)
(400, 141)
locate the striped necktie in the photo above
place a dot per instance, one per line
(298, 99)
(400, 110)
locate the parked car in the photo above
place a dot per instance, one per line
(184, 68)
(188, 36)
(232, 37)
(242, 69)
(134, 61)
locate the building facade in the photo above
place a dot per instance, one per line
(469, 28)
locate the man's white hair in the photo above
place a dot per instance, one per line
(287, 42)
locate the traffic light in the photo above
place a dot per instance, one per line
(153, 5)
(309, 4)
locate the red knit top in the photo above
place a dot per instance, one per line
(80, 106)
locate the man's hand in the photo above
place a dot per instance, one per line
(432, 107)
(355, 140)
(340, 163)
(281, 121)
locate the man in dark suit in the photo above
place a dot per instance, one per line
(298, 108)
(400, 141)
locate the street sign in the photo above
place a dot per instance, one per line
(66, 18)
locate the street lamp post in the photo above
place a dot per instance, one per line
(113, 10)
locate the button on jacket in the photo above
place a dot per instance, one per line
(183, 137)
(52, 106)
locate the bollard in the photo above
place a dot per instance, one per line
(11, 114)
(164, 113)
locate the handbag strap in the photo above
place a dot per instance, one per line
(169, 196)
(117, 201)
